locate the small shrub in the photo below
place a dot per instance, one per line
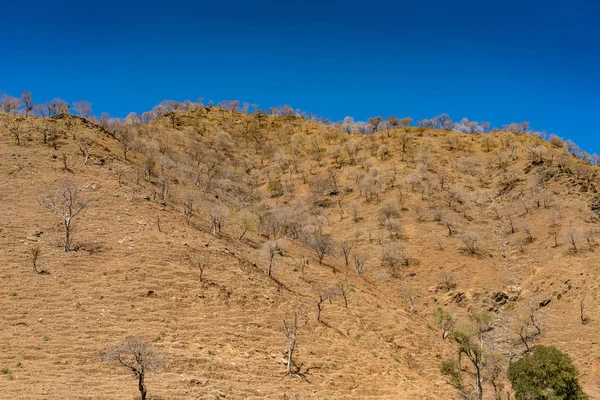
(275, 188)
(7, 372)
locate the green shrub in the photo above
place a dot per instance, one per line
(275, 188)
(545, 374)
(450, 369)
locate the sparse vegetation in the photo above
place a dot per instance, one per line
(258, 194)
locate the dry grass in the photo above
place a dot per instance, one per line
(223, 336)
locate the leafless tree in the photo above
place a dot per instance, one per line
(218, 214)
(136, 355)
(14, 127)
(511, 223)
(126, 140)
(375, 122)
(343, 289)
(572, 236)
(158, 223)
(28, 103)
(444, 321)
(149, 165)
(355, 211)
(359, 263)
(326, 295)
(9, 104)
(529, 232)
(65, 160)
(35, 252)
(188, 207)
(272, 249)
(322, 245)
(471, 240)
(67, 204)
(488, 142)
(590, 237)
(584, 319)
(450, 224)
(407, 292)
(83, 108)
(247, 220)
(291, 331)
(393, 257)
(528, 327)
(85, 147)
(346, 247)
(199, 263)
(448, 282)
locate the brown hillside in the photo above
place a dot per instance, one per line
(408, 201)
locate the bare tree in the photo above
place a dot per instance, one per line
(149, 165)
(393, 257)
(291, 331)
(528, 327)
(199, 263)
(137, 355)
(14, 127)
(343, 289)
(322, 246)
(272, 249)
(572, 237)
(248, 220)
(590, 238)
(326, 295)
(28, 103)
(471, 240)
(584, 319)
(126, 139)
(407, 292)
(85, 147)
(83, 108)
(346, 247)
(35, 252)
(218, 214)
(188, 207)
(448, 282)
(444, 321)
(554, 231)
(359, 263)
(355, 210)
(9, 104)
(67, 204)
(528, 231)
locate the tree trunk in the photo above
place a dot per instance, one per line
(142, 387)
(67, 235)
(290, 354)
(479, 386)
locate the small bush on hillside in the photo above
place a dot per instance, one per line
(275, 188)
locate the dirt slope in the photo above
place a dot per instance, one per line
(222, 337)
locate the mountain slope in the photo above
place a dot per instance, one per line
(222, 336)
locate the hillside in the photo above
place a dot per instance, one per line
(500, 222)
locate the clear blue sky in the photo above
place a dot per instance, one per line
(494, 60)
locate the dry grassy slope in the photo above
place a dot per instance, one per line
(531, 272)
(222, 337)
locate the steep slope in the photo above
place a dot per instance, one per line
(222, 336)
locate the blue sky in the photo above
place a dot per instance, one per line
(499, 61)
